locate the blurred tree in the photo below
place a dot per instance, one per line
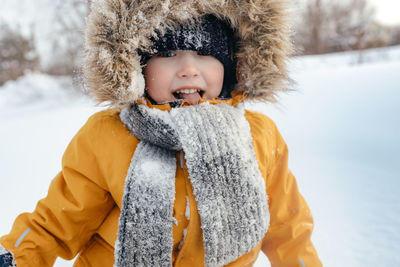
(395, 35)
(17, 54)
(349, 24)
(68, 44)
(311, 32)
(310, 27)
(330, 26)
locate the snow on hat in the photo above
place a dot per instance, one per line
(208, 36)
(117, 30)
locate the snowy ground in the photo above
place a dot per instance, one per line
(342, 127)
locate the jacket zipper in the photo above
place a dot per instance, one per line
(181, 158)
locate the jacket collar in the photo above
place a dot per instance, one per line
(236, 99)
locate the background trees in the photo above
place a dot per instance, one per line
(57, 46)
(69, 22)
(17, 53)
(326, 26)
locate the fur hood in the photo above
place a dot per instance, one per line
(118, 28)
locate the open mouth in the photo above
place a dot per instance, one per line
(188, 93)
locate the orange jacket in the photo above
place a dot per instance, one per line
(81, 211)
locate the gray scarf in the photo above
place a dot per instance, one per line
(227, 184)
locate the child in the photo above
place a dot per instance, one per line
(177, 173)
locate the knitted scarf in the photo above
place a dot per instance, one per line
(227, 184)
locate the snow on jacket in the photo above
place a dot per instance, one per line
(80, 213)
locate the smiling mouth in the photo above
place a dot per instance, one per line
(185, 93)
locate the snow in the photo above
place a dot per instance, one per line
(151, 170)
(42, 88)
(341, 125)
(23, 14)
(342, 128)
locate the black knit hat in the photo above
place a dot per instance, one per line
(208, 36)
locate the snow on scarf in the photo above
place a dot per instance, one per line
(227, 184)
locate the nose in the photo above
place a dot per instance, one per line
(188, 67)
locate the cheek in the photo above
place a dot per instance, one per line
(219, 74)
(150, 75)
(215, 78)
(157, 81)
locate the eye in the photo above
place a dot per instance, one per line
(167, 53)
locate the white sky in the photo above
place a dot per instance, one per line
(387, 11)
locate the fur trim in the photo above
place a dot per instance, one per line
(117, 28)
(6, 258)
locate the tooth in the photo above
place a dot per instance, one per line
(188, 91)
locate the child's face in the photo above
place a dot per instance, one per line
(183, 74)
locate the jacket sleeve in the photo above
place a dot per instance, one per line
(75, 206)
(287, 242)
